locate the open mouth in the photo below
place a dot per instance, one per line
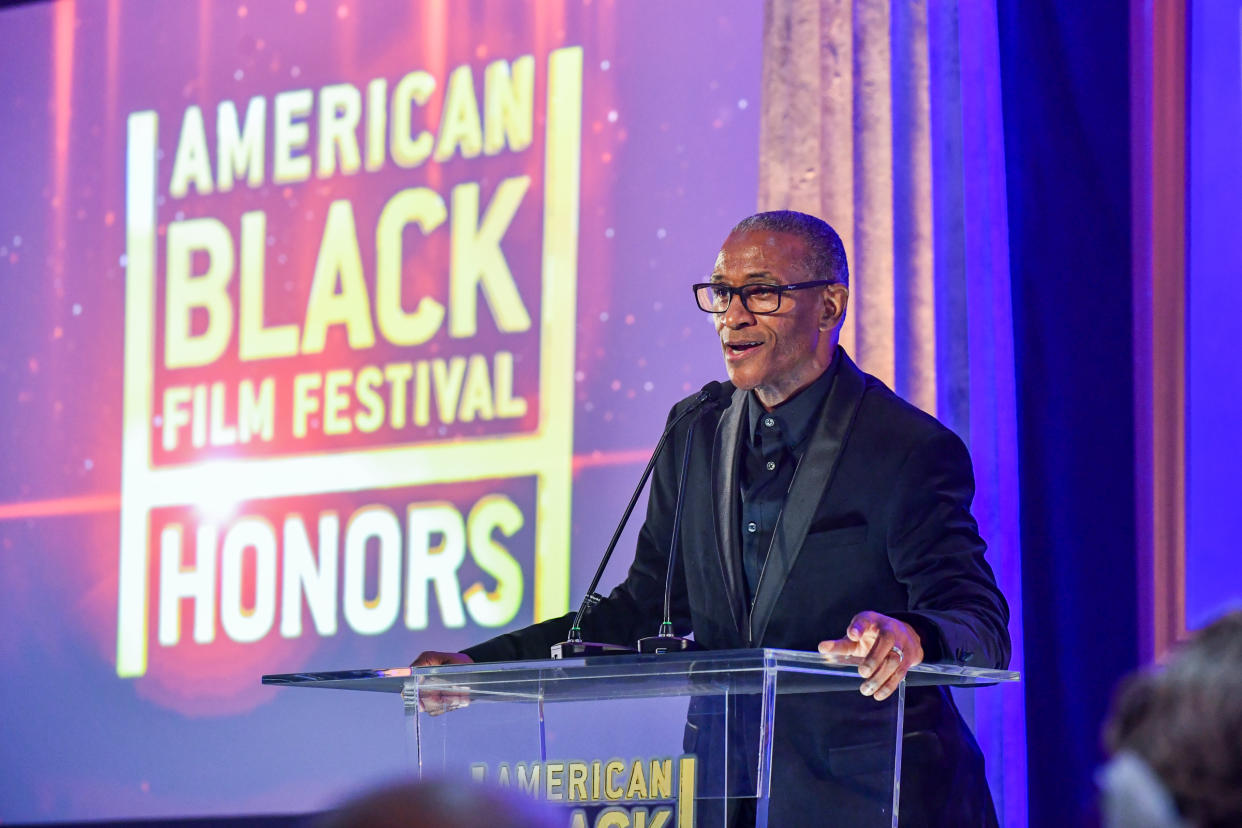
(740, 348)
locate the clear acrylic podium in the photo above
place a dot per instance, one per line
(708, 738)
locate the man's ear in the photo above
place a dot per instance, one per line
(830, 313)
(836, 297)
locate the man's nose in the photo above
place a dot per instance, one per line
(736, 316)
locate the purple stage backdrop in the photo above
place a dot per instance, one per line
(329, 329)
(1213, 298)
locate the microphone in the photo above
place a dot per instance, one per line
(665, 640)
(712, 395)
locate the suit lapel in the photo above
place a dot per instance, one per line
(725, 506)
(811, 479)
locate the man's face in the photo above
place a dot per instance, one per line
(776, 354)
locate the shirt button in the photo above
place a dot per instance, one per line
(752, 527)
(769, 422)
(771, 465)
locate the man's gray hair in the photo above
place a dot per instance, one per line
(827, 253)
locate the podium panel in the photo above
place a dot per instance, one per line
(720, 738)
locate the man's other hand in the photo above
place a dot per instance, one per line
(435, 702)
(431, 658)
(888, 648)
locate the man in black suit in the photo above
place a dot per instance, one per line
(820, 504)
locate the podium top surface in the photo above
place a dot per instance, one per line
(694, 673)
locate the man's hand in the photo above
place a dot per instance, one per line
(435, 702)
(431, 658)
(888, 647)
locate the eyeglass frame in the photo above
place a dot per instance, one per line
(740, 291)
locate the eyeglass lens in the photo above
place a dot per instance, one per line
(755, 298)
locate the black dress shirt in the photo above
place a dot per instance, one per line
(775, 444)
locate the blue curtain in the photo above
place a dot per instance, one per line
(1065, 82)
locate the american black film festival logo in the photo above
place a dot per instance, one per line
(239, 431)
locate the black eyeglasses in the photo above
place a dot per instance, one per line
(715, 297)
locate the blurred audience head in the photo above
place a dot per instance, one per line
(440, 803)
(1175, 733)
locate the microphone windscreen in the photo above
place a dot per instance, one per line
(717, 393)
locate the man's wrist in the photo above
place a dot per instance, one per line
(928, 633)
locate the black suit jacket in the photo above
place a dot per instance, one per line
(877, 518)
